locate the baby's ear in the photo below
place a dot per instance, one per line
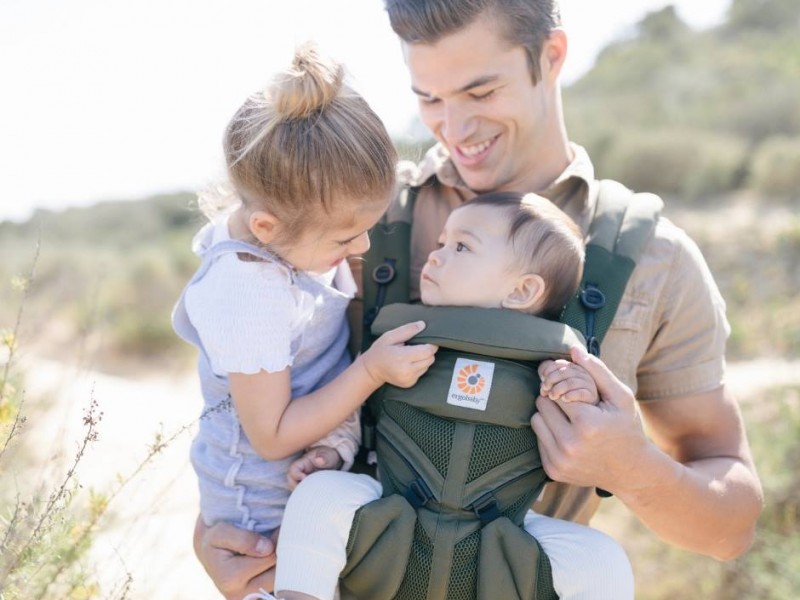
(528, 294)
(263, 225)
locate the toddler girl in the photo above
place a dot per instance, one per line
(312, 170)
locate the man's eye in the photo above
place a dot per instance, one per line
(428, 100)
(482, 96)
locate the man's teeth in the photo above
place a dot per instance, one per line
(476, 149)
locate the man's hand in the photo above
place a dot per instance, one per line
(582, 444)
(318, 458)
(239, 562)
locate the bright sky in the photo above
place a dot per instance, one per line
(113, 99)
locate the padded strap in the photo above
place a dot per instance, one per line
(497, 332)
(387, 263)
(623, 224)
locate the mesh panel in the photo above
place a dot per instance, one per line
(433, 435)
(415, 582)
(494, 445)
(520, 505)
(463, 584)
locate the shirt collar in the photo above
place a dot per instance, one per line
(574, 190)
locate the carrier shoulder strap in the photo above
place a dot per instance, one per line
(387, 263)
(622, 225)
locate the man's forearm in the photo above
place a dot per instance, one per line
(709, 506)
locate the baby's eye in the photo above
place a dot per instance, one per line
(460, 247)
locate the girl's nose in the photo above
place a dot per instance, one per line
(360, 245)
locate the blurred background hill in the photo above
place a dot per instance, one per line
(708, 119)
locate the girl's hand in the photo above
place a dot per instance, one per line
(566, 381)
(317, 458)
(390, 360)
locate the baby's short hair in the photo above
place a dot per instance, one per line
(545, 241)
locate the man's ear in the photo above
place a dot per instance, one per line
(263, 225)
(554, 53)
(527, 295)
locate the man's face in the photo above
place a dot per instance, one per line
(473, 265)
(477, 96)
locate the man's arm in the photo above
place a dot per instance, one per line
(693, 482)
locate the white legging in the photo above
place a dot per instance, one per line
(587, 564)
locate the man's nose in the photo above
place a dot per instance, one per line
(457, 122)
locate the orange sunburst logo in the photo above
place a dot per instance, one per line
(469, 380)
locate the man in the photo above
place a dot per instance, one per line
(487, 78)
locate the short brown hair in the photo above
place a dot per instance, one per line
(544, 241)
(307, 141)
(525, 23)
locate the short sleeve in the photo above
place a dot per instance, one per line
(245, 314)
(687, 352)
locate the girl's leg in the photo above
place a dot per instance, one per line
(315, 530)
(587, 564)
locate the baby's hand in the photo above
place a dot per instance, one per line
(390, 360)
(564, 380)
(317, 458)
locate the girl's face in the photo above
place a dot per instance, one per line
(320, 248)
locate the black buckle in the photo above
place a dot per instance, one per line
(418, 493)
(592, 298)
(486, 508)
(384, 273)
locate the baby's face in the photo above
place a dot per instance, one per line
(473, 265)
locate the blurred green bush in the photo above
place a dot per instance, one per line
(775, 168)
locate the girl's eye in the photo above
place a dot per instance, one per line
(460, 247)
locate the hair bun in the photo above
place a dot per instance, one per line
(311, 83)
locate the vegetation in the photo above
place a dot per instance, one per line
(771, 568)
(691, 114)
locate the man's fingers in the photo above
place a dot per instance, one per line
(262, 580)
(610, 389)
(241, 541)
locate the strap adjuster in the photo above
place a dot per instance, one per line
(418, 493)
(486, 508)
(384, 273)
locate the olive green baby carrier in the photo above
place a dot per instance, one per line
(457, 458)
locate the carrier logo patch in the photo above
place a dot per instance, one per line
(471, 384)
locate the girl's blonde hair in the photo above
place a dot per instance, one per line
(307, 142)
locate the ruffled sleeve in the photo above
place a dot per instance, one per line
(246, 316)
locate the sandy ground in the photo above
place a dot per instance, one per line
(148, 530)
(148, 533)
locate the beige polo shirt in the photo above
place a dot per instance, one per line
(668, 336)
